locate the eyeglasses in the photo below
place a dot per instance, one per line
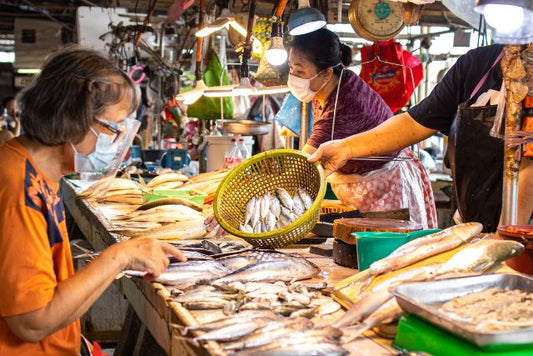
(119, 130)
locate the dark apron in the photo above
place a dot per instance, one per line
(476, 161)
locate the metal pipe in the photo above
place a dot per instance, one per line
(304, 126)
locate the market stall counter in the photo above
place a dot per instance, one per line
(165, 319)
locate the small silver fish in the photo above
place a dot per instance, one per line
(298, 205)
(304, 313)
(256, 213)
(328, 308)
(233, 332)
(306, 198)
(257, 228)
(249, 210)
(271, 221)
(265, 206)
(275, 206)
(246, 228)
(285, 198)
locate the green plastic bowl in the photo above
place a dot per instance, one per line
(373, 246)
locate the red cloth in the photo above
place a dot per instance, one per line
(394, 83)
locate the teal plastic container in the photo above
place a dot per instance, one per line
(416, 334)
(373, 246)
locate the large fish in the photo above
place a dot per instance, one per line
(482, 255)
(189, 229)
(170, 201)
(317, 341)
(166, 178)
(233, 332)
(184, 274)
(425, 247)
(289, 269)
(241, 317)
(476, 258)
(272, 332)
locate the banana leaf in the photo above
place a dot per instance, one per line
(209, 108)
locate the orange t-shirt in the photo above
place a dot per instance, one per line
(34, 251)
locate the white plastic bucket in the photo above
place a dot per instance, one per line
(217, 147)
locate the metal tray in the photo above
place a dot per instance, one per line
(245, 127)
(425, 299)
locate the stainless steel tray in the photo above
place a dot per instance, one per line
(244, 127)
(425, 299)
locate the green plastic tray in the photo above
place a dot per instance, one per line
(183, 193)
(373, 246)
(416, 334)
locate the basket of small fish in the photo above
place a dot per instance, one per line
(272, 199)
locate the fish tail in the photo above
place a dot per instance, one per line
(356, 282)
(192, 341)
(184, 330)
(356, 331)
(367, 284)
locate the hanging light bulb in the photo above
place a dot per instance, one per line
(306, 19)
(276, 54)
(511, 19)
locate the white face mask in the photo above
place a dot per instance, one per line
(300, 87)
(103, 154)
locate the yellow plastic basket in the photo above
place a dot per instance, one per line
(262, 174)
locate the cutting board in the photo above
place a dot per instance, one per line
(343, 228)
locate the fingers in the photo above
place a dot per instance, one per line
(316, 156)
(173, 251)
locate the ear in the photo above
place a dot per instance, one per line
(328, 73)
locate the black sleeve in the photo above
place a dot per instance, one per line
(438, 109)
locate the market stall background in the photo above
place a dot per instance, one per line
(166, 65)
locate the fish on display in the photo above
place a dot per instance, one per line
(426, 246)
(271, 211)
(479, 257)
(241, 317)
(185, 274)
(289, 269)
(387, 313)
(232, 332)
(188, 229)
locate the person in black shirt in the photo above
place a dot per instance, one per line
(476, 157)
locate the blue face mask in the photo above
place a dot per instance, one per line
(102, 156)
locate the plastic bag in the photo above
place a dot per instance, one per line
(291, 112)
(209, 108)
(394, 83)
(397, 185)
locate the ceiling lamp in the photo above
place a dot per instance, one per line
(306, 19)
(511, 19)
(276, 54)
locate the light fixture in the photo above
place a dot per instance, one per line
(306, 19)
(511, 19)
(28, 71)
(191, 96)
(276, 53)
